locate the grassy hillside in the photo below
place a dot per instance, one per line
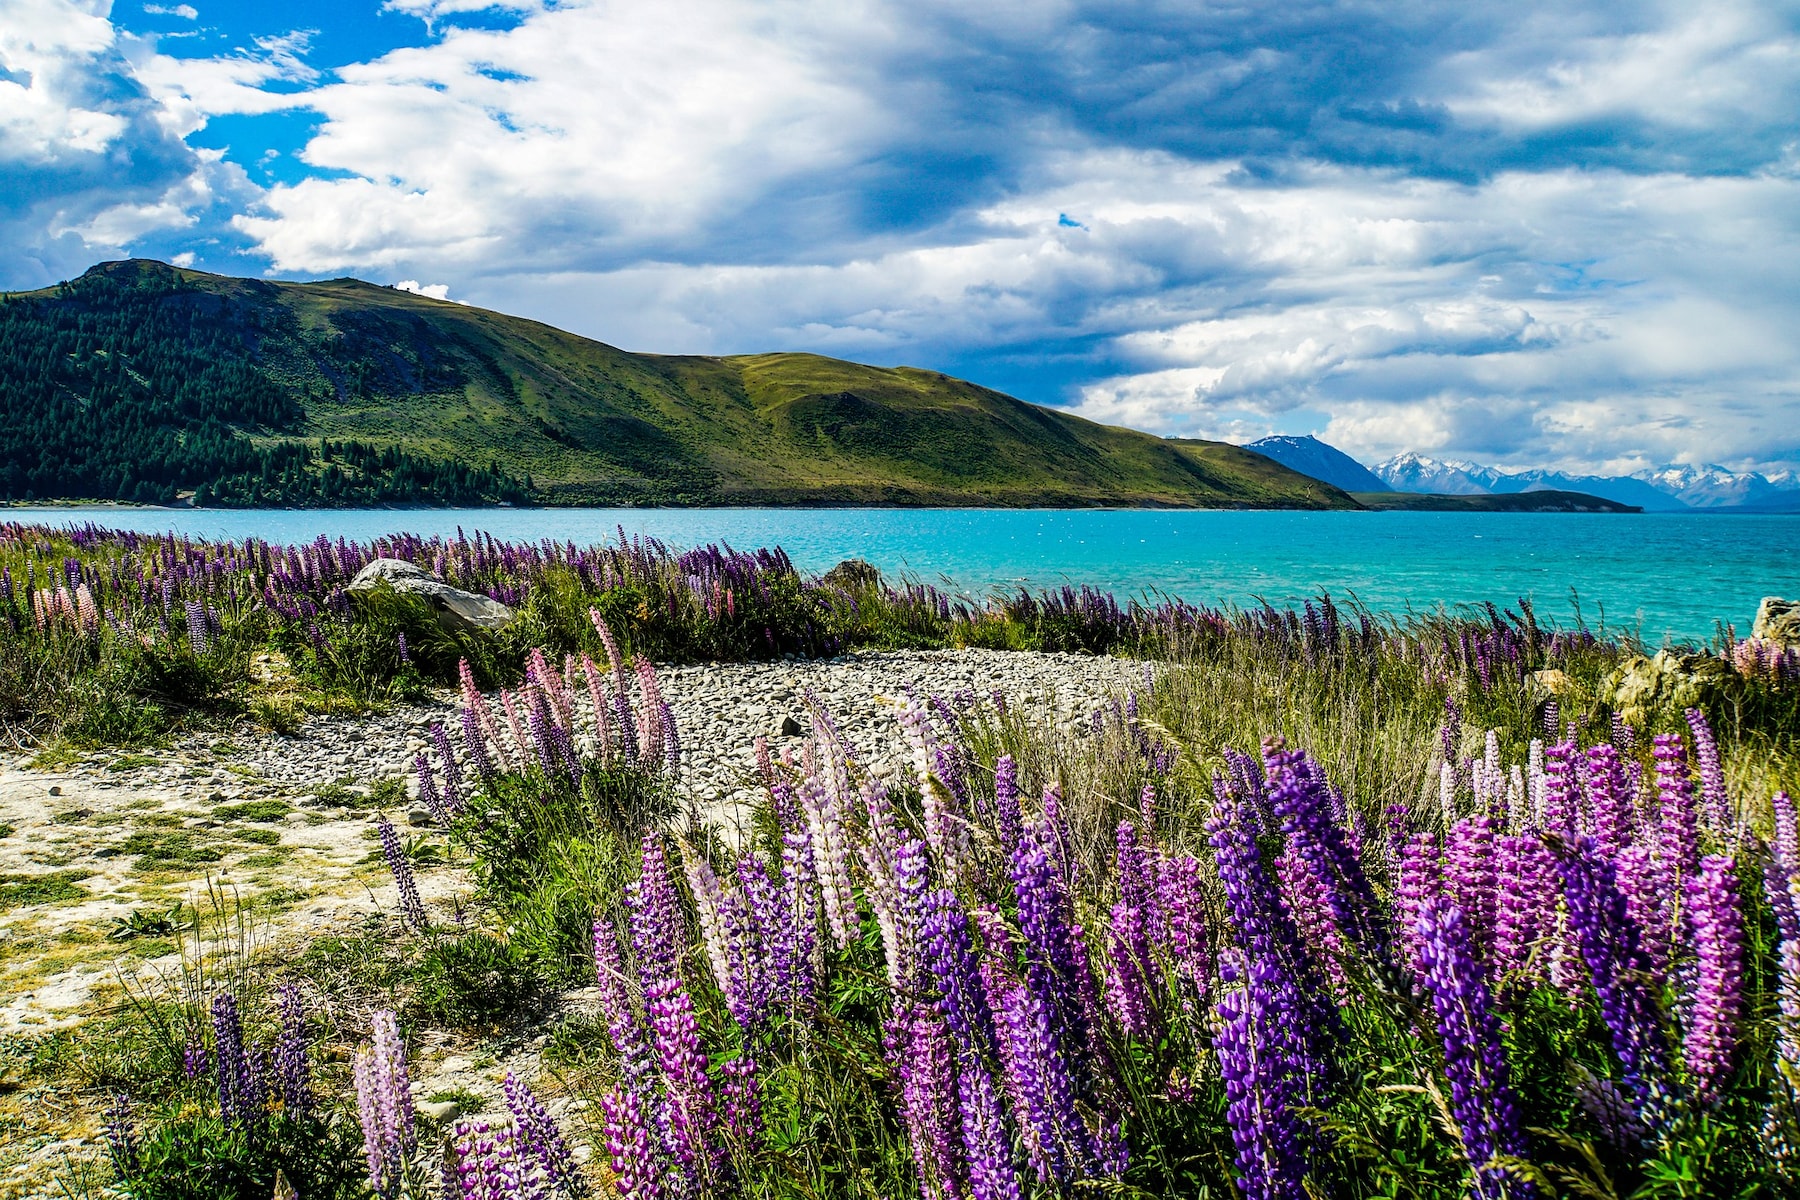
(379, 385)
(1544, 501)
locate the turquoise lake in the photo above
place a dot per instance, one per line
(1666, 575)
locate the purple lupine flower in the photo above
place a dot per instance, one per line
(1610, 1110)
(919, 1051)
(293, 1073)
(1716, 918)
(771, 943)
(1608, 799)
(1307, 900)
(1304, 809)
(956, 968)
(1678, 841)
(623, 1024)
(537, 719)
(1561, 787)
(1526, 914)
(743, 1101)
(1006, 802)
(1649, 900)
(1787, 1003)
(1056, 964)
(384, 1106)
(194, 1059)
(400, 647)
(1181, 898)
(1421, 880)
(1038, 1076)
(1450, 732)
(1264, 929)
(671, 738)
(627, 723)
(1263, 1068)
(237, 1084)
(121, 1138)
(199, 634)
(658, 934)
(490, 1163)
(453, 777)
(411, 907)
(800, 899)
(540, 1139)
(1715, 801)
(636, 1173)
(428, 792)
(826, 811)
(1470, 878)
(478, 751)
(986, 1144)
(687, 1093)
(1619, 970)
(1481, 1093)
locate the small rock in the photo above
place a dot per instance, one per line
(55, 790)
(440, 1110)
(107, 852)
(420, 817)
(790, 727)
(215, 797)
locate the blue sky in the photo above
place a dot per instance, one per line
(1537, 234)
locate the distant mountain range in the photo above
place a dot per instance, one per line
(1666, 489)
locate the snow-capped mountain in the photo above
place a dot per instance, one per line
(1716, 487)
(1411, 472)
(1666, 489)
(1309, 456)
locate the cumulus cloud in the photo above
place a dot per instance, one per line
(431, 291)
(1542, 234)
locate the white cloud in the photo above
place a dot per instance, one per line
(587, 130)
(433, 291)
(47, 51)
(186, 12)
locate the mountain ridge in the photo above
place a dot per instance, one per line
(1309, 456)
(1664, 489)
(344, 391)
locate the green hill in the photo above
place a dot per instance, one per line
(139, 381)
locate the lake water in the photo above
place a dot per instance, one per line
(1669, 575)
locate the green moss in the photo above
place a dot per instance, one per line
(338, 792)
(56, 887)
(253, 810)
(134, 762)
(259, 837)
(162, 848)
